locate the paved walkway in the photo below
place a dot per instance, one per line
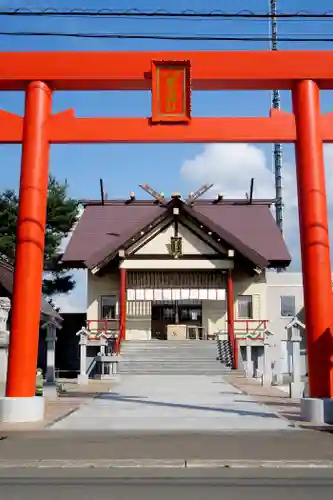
(56, 409)
(172, 403)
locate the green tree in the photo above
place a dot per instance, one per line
(62, 213)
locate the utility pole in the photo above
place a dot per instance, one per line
(277, 148)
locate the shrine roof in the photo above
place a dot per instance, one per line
(249, 228)
(7, 282)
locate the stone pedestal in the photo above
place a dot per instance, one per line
(267, 368)
(107, 367)
(296, 385)
(83, 377)
(317, 411)
(50, 391)
(249, 362)
(51, 338)
(22, 410)
(267, 372)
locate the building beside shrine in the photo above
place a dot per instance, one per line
(155, 263)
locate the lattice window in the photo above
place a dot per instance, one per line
(138, 308)
(172, 279)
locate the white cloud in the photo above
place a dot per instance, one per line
(76, 301)
(230, 166)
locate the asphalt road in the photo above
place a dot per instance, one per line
(157, 484)
(286, 445)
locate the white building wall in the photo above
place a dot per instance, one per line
(191, 244)
(279, 285)
(138, 326)
(256, 287)
(215, 312)
(214, 317)
(97, 287)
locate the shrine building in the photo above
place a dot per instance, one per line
(159, 262)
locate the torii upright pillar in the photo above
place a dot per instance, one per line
(20, 403)
(315, 251)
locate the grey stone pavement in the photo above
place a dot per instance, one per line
(169, 403)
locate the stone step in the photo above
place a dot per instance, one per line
(178, 366)
(169, 352)
(174, 345)
(168, 367)
(170, 372)
(171, 358)
(173, 372)
(171, 361)
(169, 346)
(178, 352)
(141, 356)
(123, 369)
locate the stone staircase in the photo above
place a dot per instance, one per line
(188, 357)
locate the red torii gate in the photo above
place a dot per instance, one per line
(170, 76)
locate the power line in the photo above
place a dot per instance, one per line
(139, 36)
(277, 148)
(301, 14)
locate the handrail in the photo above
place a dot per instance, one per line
(117, 344)
(104, 328)
(248, 331)
(104, 322)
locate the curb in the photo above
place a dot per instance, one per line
(166, 464)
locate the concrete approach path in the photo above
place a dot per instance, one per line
(171, 403)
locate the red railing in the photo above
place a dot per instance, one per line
(97, 325)
(253, 328)
(100, 326)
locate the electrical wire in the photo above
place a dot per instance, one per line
(146, 36)
(161, 13)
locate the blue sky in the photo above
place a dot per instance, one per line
(123, 167)
(116, 164)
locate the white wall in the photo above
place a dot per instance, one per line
(191, 244)
(256, 287)
(138, 321)
(96, 287)
(278, 285)
(214, 317)
(215, 312)
(138, 325)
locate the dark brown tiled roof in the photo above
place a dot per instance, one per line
(254, 225)
(7, 281)
(250, 229)
(104, 228)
